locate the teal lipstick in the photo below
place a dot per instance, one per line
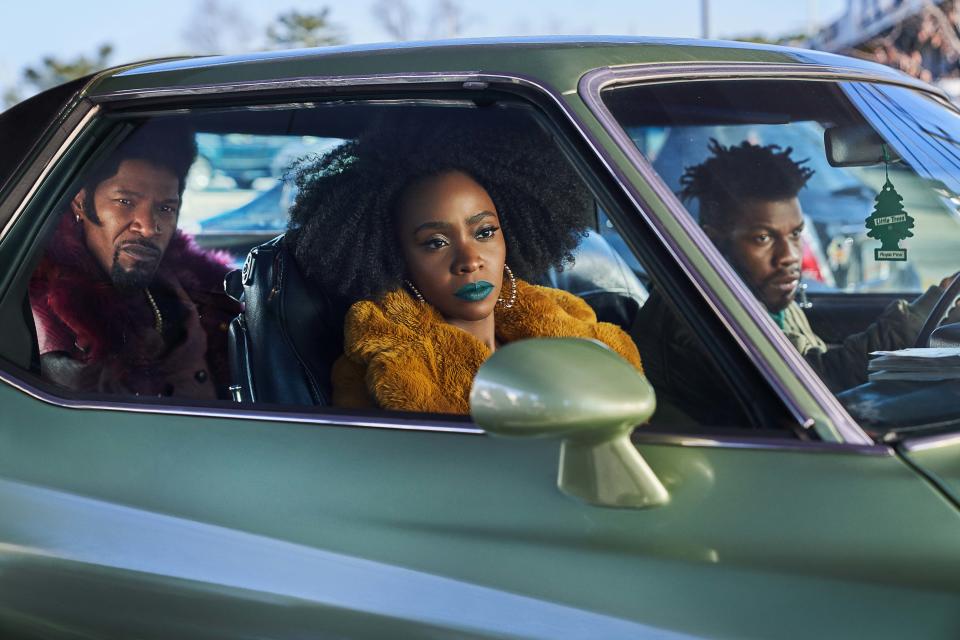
(475, 291)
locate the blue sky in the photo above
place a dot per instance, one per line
(140, 30)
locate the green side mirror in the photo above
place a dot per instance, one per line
(583, 393)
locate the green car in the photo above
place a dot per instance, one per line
(579, 499)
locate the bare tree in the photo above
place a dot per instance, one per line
(396, 17)
(557, 26)
(217, 27)
(446, 19)
(294, 29)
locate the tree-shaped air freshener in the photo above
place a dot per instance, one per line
(889, 223)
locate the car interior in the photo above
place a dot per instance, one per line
(278, 355)
(861, 139)
(672, 125)
(282, 346)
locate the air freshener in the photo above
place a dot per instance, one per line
(889, 223)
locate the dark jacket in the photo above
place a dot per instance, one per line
(845, 365)
(94, 338)
(683, 375)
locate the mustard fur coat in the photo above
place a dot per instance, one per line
(399, 354)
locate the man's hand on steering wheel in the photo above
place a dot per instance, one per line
(947, 280)
(947, 305)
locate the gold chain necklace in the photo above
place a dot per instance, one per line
(157, 317)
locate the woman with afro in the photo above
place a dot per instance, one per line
(434, 232)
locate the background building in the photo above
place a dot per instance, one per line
(919, 37)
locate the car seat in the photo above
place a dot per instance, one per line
(283, 346)
(603, 279)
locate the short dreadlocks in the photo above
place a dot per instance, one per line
(734, 174)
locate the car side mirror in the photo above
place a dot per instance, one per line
(583, 393)
(856, 146)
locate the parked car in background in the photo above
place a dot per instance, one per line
(545, 514)
(264, 215)
(240, 157)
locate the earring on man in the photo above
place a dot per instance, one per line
(413, 290)
(512, 298)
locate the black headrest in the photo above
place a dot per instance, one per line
(293, 331)
(601, 277)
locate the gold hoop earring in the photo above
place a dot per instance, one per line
(512, 298)
(414, 291)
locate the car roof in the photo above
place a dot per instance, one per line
(558, 62)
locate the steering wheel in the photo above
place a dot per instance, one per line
(938, 312)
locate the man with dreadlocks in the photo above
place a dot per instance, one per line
(750, 210)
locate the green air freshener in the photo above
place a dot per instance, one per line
(889, 223)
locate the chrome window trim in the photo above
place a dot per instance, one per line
(243, 413)
(306, 82)
(704, 441)
(639, 438)
(590, 87)
(47, 168)
(931, 442)
(598, 79)
(466, 79)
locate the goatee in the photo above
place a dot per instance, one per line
(126, 281)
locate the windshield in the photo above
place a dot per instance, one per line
(836, 203)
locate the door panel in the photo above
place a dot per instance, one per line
(252, 586)
(428, 533)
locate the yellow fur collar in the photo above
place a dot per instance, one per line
(400, 354)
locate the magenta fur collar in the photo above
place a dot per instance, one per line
(70, 286)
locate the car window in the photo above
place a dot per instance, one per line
(128, 299)
(240, 188)
(836, 204)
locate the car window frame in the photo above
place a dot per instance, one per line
(165, 100)
(834, 421)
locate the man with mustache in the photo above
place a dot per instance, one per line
(123, 301)
(750, 210)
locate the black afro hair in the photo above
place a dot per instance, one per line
(342, 225)
(738, 173)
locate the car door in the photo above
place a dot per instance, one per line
(936, 457)
(126, 517)
(120, 523)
